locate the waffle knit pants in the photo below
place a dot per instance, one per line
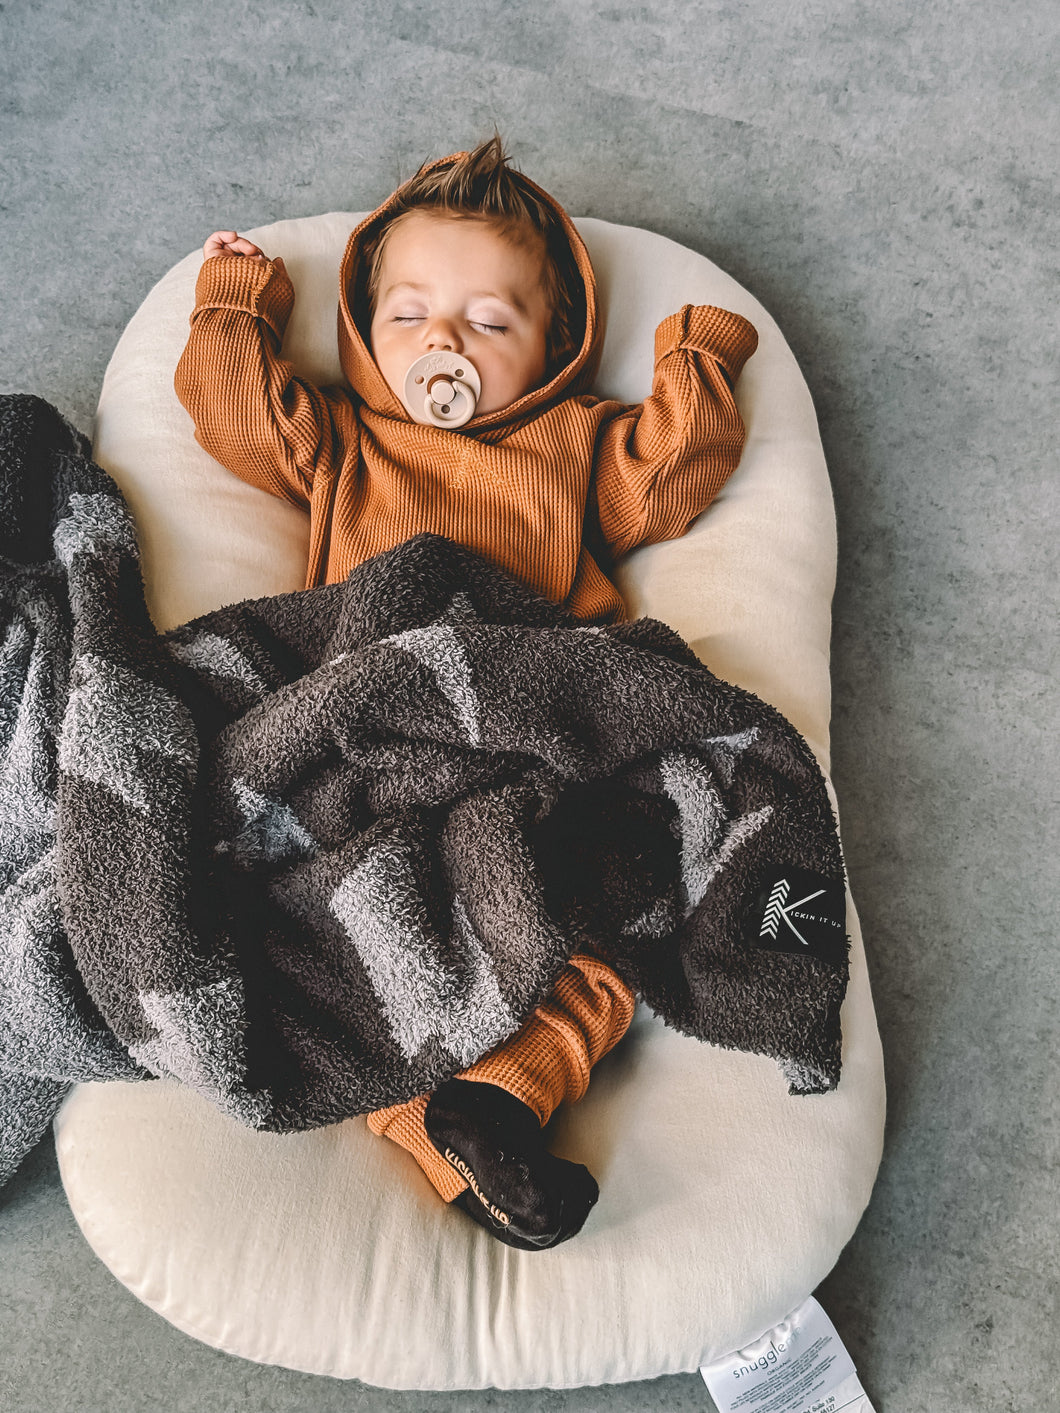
(545, 1062)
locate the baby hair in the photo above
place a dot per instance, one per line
(480, 185)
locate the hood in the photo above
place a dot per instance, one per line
(363, 375)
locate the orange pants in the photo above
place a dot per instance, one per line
(546, 1061)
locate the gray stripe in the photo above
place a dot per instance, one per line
(44, 1026)
(724, 751)
(96, 524)
(27, 678)
(200, 1041)
(270, 832)
(708, 839)
(440, 649)
(380, 908)
(208, 652)
(117, 727)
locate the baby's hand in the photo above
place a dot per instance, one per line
(231, 243)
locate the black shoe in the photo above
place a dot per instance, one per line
(520, 1192)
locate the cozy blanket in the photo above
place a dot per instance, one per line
(313, 854)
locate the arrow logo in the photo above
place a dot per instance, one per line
(776, 912)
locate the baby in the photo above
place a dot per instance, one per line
(468, 336)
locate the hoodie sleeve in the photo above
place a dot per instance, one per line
(658, 465)
(250, 412)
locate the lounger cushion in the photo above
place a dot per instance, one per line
(724, 1199)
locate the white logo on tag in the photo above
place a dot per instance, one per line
(776, 912)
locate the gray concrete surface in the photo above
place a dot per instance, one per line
(883, 177)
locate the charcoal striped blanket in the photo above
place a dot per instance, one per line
(312, 854)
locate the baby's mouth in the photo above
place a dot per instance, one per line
(442, 389)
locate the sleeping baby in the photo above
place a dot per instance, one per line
(468, 336)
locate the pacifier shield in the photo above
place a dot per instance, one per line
(442, 389)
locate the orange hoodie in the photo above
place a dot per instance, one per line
(549, 488)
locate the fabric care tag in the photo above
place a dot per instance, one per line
(796, 910)
(801, 1366)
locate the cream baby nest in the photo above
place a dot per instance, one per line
(724, 1200)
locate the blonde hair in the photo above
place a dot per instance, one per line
(480, 185)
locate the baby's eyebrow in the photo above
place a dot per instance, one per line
(402, 287)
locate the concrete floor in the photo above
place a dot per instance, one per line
(883, 178)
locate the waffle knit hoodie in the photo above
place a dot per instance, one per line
(551, 489)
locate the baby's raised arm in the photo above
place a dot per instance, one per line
(231, 243)
(660, 464)
(250, 411)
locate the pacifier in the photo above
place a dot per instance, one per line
(441, 389)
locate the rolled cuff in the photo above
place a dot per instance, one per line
(258, 287)
(728, 338)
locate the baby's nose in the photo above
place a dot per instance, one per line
(442, 334)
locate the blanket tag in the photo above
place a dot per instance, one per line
(800, 1366)
(797, 910)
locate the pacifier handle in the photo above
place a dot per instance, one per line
(446, 399)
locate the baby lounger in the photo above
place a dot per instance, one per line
(724, 1199)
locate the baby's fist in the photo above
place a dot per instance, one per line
(231, 243)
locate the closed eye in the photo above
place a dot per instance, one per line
(488, 328)
(409, 318)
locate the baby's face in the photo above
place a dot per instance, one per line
(457, 283)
